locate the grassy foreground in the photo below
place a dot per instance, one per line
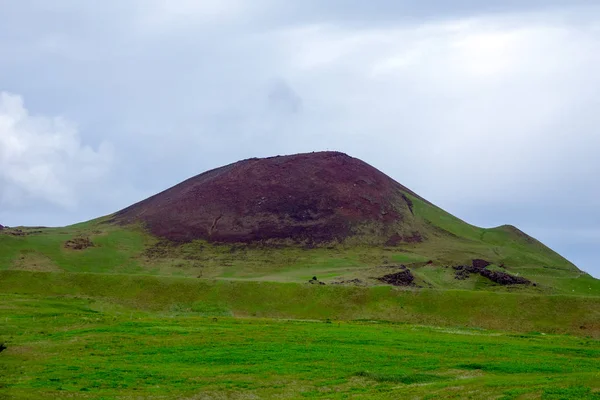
(69, 347)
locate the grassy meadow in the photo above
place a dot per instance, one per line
(81, 347)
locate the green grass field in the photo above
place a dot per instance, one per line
(61, 347)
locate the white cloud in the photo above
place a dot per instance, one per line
(43, 157)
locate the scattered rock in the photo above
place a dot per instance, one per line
(503, 278)
(402, 278)
(462, 272)
(480, 267)
(80, 243)
(315, 281)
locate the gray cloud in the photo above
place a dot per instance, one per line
(487, 109)
(283, 99)
(389, 12)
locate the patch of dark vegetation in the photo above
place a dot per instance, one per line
(472, 366)
(315, 281)
(572, 392)
(161, 249)
(402, 278)
(356, 282)
(393, 266)
(480, 267)
(2, 347)
(512, 367)
(79, 243)
(407, 379)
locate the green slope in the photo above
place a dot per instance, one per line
(173, 296)
(448, 242)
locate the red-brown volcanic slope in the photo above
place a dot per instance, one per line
(313, 197)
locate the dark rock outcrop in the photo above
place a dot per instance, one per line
(503, 278)
(480, 267)
(402, 278)
(315, 281)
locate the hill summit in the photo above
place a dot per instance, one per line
(314, 198)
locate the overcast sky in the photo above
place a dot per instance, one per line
(490, 109)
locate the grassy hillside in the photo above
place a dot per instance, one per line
(86, 346)
(450, 242)
(292, 218)
(517, 312)
(505, 244)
